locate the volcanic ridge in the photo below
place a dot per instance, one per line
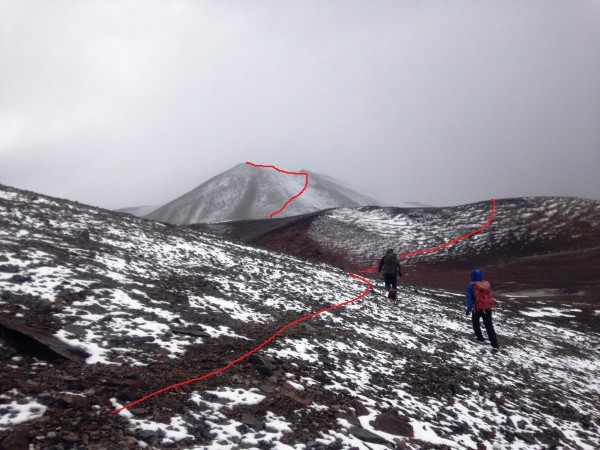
(100, 309)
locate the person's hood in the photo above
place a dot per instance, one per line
(389, 250)
(476, 275)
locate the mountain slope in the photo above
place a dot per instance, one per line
(246, 192)
(148, 305)
(536, 243)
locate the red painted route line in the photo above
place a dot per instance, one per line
(289, 173)
(309, 316)
(246, 355)
(439, 247)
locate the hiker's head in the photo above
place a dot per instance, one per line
(476, 275)
(389, 250)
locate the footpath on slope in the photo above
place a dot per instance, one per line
(314, 314)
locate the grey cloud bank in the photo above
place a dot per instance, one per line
(128, 103)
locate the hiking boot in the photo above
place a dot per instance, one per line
(495, 349)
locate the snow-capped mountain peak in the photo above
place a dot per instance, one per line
(246, 192)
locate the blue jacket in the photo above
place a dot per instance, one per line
(476, 275)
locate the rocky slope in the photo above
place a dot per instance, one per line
(99, 309)
(532, 244)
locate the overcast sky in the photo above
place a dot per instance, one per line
(128, 103)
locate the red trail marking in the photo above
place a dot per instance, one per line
(289, 173)
(308, 316)
(439, 247)
(241, 358)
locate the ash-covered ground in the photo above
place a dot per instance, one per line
(99, 309)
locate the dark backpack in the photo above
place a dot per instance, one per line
(483, 295)
(389, 263)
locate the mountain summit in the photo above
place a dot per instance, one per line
(247, 192)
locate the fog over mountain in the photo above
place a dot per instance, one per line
(139, 211)
(130, 103)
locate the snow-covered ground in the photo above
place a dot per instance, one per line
(536, 224)
(153, 305)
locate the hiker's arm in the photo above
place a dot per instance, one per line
(470, 298)
(380, 265)
(399, 270)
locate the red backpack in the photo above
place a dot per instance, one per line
(483, 295)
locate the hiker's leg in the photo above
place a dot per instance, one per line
(489, 328)
(388, 281)
(476, 325)
(392, 291)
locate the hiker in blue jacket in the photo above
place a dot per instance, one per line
(480, 302)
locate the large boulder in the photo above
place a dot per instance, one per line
(392, 423)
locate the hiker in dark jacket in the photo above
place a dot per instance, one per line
(391, 272)
(480, 302)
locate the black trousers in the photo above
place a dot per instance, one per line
(390, 280)
(487, 322)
